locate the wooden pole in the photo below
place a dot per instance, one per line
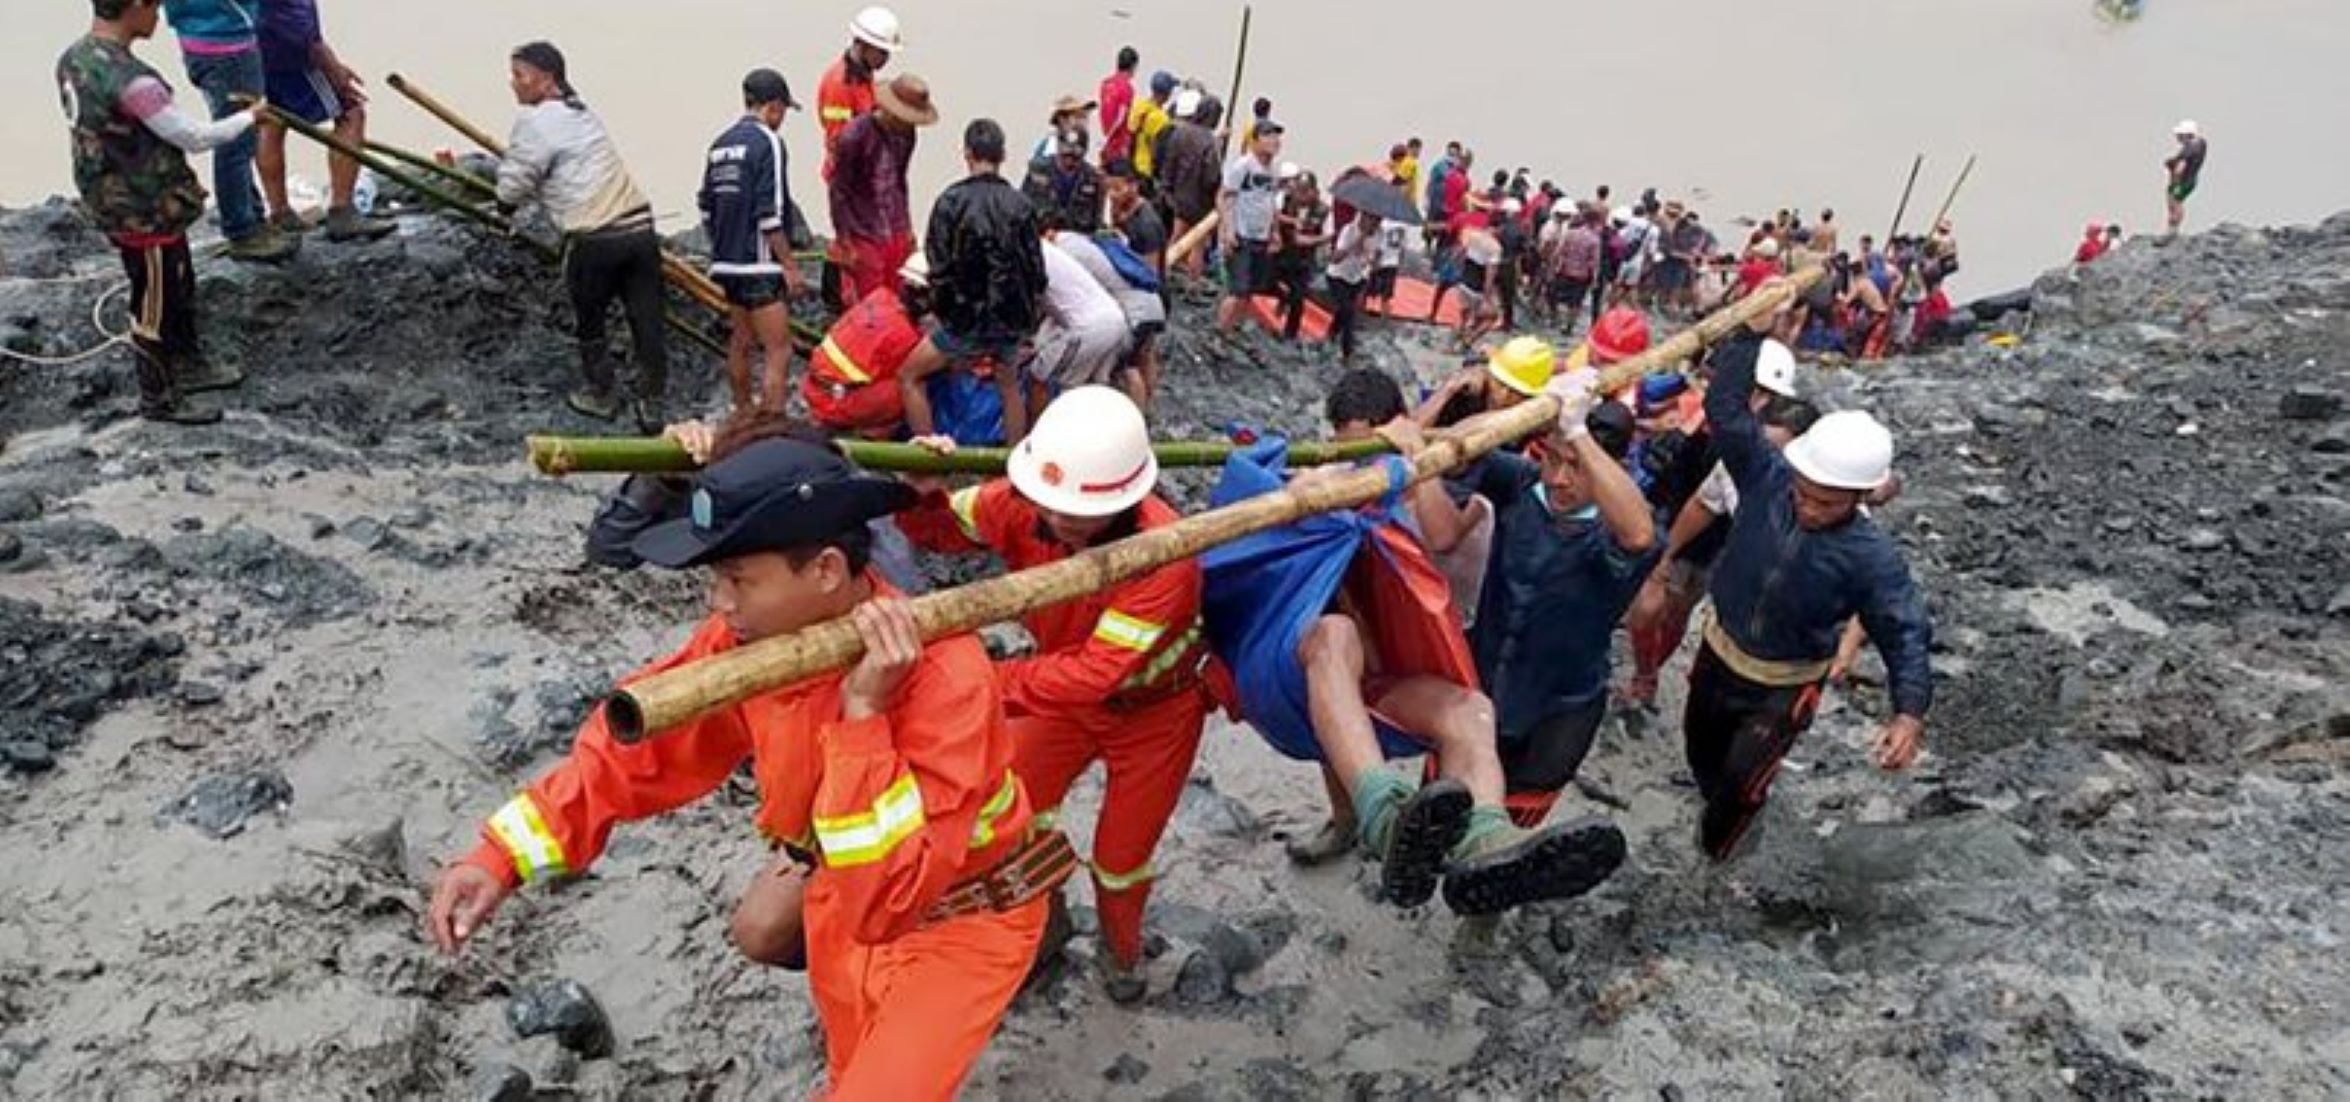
(667, 699)
(1239, 67)
(1193, 238)
(430, 167)
(1903, 209)
(442, 111)
(562, 455)
(1947, 200)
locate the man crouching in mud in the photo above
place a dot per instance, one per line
(928, 891)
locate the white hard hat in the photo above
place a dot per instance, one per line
(2187, 127)
(1846, 450)
(1621, 214)
(1289, 170)
(1088, 456)
(878, 28)
(916, 270)
(1774, 369)
(1186, 103)
(1512, 205)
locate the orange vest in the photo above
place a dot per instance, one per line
(838, 100)
(868, 344)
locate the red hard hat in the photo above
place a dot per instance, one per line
(1621, 334)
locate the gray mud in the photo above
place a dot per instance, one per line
(263, 677)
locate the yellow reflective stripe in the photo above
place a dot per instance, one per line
(1164, 661)
(1120, 881)
(983, 834)
(1118, 629)
(1045, 820)
(836, 114)
(842, 361)
(868, 836)
(519, 827)
(965, 503)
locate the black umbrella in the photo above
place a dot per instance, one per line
(1372, 195)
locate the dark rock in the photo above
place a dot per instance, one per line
(565, 1009)
(196, 484)
(1203, 810)
(320, 527)
(411, 516)
(368, 532)
(501, 1083)
(188, 524)
(2309, 403)
(220, 804)
(28, 756)
(1126, 1069)
(17, 506)
(11, 547)
(199, 694)
(2336, 441)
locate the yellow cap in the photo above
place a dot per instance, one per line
(1523, 365)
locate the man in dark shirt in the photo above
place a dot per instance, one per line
(987, 279)
(2186, 170)
(871, 219)
(746, 202)
(1190, 170)
(1066, 189)
(1145, 231)
(1303, 228)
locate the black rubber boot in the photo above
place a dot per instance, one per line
(1430, 824)
(1560, 861)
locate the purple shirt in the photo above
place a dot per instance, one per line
(868, 185)
(289, 28)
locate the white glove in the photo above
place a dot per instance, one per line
(1576, 401)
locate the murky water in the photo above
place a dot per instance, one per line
(1748, 107)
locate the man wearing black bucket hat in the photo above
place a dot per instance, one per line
(916, 884)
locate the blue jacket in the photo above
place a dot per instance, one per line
(1783, 593)
(1554, 589)
(214, 22)
(745, 197)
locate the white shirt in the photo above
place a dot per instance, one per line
(1392, 242)
(1351, 259)
(1074, 298)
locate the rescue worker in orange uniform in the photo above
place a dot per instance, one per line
(1122, 676)
(931, 883)
(845, 92)
(852, 380)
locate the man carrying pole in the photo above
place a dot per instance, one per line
(1120, 676)
(560, 155)
(746, 211)
(927, 897)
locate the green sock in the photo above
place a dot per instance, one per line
(1378, 798)
(1489, 827)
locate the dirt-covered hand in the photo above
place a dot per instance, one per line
(698, 438)
(1405, 434)
(461, 903)
(893, 644)
(1899, 742)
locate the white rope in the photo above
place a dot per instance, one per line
(97, 312)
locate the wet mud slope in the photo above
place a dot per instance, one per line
(262, 677)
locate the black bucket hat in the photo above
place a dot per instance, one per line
(771, 496)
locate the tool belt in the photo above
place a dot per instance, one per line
(1773, 672)
(1038, 866)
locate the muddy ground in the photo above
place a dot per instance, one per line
(263, 677)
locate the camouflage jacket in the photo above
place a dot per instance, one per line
(131, 181)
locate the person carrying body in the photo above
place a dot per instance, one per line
(1133, 285)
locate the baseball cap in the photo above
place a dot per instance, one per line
(1268, 126)
(764, 86)
(771, 496)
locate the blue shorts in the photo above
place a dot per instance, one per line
(963, 349)
(305, 94)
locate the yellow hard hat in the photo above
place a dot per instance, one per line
(1523, 365)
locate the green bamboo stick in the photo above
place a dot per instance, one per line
(562, 455)
(424, 164)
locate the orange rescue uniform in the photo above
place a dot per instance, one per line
(851, 382)
(898, 807)
(1123, 675)
(845, 93)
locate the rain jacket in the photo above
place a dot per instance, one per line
(898, 807)
(986, 260)
(1783, 594)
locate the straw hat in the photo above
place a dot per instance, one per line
(1069, 105)
(907, 99)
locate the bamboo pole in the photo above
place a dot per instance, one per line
(667, 699)
(443, 112)
(427, 165)
(1906, 189)
(1951, 198)
(1239, 67)
(1193, 238)
(562, 455)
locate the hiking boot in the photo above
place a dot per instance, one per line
(1418, 834)
(265, 246)
(1124, 985)
(649, 416)
(290, 223)
(598, 404)
(1512, 868)
(347, 224)
(205, 375)
(1323, 846)
(180, 411)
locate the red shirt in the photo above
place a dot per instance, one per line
(1456, 193)
(1117, 100)
(1755, 271)
(2091, 248)
(845, 93)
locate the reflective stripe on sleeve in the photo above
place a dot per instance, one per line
(1119, 629)
(983, 834)
(869, 836)
(837, 114)
(965, 503)
(519, 827)
(843, 363)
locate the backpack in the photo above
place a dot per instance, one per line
(1131, 267)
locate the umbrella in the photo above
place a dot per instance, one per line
(1372, 196)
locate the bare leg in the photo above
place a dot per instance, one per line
(923, 362)
(270, 158)
(1015, 399)
(770, 324)
(738, 358)
(1332, 654)
(342, 173)
(1458, 724)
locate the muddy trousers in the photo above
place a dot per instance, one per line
(1736, 732)
(1346, 313)
(907, 1018)
(1540, 764)
(1147, 752)
(163, 315)
(624, 265)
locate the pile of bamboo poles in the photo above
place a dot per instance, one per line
(672, 697)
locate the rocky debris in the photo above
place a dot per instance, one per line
(1203, 810)
(220, 805)
(565, 1009)
(501, 1083)
(303, 589)
(57, 677)
(1126, 1070)
(2309, 403)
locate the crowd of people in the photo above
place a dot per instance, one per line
(911, 802)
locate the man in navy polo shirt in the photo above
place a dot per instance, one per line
(746, 204)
